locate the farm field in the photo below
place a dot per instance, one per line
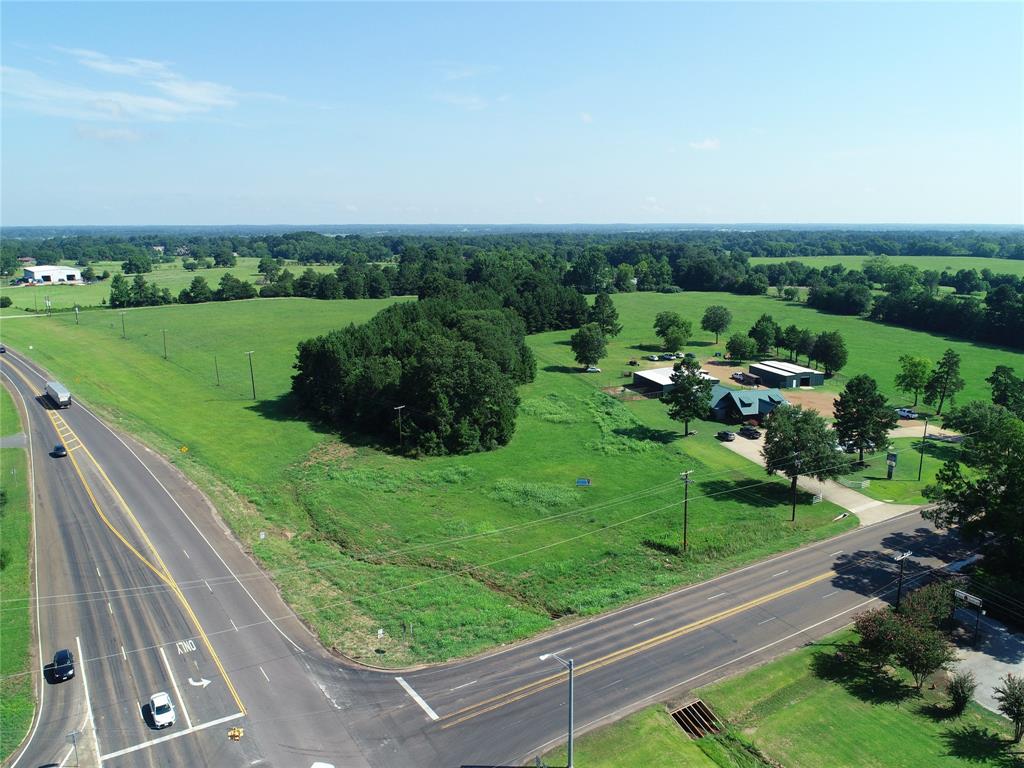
(171, 275)
(17, 699)
(807, 710)
(470, 550)
(938, 263)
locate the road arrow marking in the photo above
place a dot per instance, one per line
(202, 682)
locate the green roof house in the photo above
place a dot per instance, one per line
(744, 404)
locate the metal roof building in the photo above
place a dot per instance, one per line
(660, 379)
(778, 373)
(49, 274)
(742, 404)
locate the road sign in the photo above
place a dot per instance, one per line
(582, 482)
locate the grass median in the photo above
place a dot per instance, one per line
(17, 698)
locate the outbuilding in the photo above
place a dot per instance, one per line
(733, 405)
(783, 375)
(50, 274)
(659, 380)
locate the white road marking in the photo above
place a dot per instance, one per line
(98, 573)
(123, 654)
(720, 594)
(645, 621)
(67, 757)
(110, 608)
(264, 675)
(178, 735)
(834, 592)
(418, 699)
(766, 620)
(457, 687)
(609, 685)
(559, 653)
(233, 624)
(837, 552)
(142, 715)
(780, 573)
(174, 682)
(186, 554)
(208, 585)
(88, 703)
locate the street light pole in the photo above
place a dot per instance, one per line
(924, 439)
(796, 465)
(401, 442)
(569, 665)
(252, 376)
(686, 504)
(899, 589)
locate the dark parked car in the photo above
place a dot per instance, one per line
(634, 362)
(59, 451)
(726, 436)
(2, 349)
(63, 665)
(690, 356)
(750, 432)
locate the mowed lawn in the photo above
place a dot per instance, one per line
(17, 698)
(938, 263)
(10, 420)
(460, 552)
(904, 488)
(171, 275)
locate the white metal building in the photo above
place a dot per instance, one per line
(660, 379)
(50, 274)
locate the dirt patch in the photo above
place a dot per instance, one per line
(329, 452)
(822, 402)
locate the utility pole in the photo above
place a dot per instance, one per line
(924, 439)
(899, 589)
(401, 441)
(76, 314)
(252, 376)
(569, 665)
(165, 343)
(686, 504)
(796, 465)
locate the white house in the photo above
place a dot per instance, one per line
(49, 274)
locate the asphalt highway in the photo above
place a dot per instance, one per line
(136, 575)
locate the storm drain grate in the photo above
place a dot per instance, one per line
(697, 720)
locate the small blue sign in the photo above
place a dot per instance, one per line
(582, 482)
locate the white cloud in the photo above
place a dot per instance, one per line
(114, 135)
(467, 101)
(154, 92)
(586, 117)
(705, 145)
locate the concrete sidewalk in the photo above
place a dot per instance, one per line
(14, 441)
(998, 653)
(868, 510)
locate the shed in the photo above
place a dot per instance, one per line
(778, 373)
(743, 404)
(50, 274)
(659, 380)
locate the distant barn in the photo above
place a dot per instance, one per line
(659, 380)
(50, 274)
(783, 375)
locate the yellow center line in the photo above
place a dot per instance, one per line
(496, 702)
(162, 572)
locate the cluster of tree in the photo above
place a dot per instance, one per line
(346, 282)
(827, 347)
(137, 293)
(847, 298)
(939, 381)
(230, 289)
(691, 396)
(452, 370)
(590, 343)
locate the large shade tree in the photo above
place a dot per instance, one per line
(913, 375)
(716, 320)
(690, 398)
(589, 344)
(862, 416)
(799, 442)
(944, 382)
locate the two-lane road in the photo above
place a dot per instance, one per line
(135, 567)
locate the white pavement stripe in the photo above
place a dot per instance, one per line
(264, 675)
(110, 608)
(766, 620)
(178, 735)
(88, 703)
(834, 592)
(457, 687)
(780, 573)
(186, 554)
(233, 626)
(174, 682)
(207, 585)
(837, 552)
(645, 621)
(720, 594)
(66, 757)
(418, 699)
(123, 654)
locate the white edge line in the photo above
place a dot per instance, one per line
(464, 685)
(88, 701)
(174, 682)
(780, 573)
(168, 737)
(773, 618)
(645, 621)
(417, 698)
(66, 757)
(34, 586)
(193, 524)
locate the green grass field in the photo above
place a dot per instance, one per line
(17, 699)
(464, 549)
(169, 275)
(808, 710)
(10, 421)
(938, 263)
(904, 487)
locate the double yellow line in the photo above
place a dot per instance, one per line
(68, 435)
(504, 699)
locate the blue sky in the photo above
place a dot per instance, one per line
(202, 113)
